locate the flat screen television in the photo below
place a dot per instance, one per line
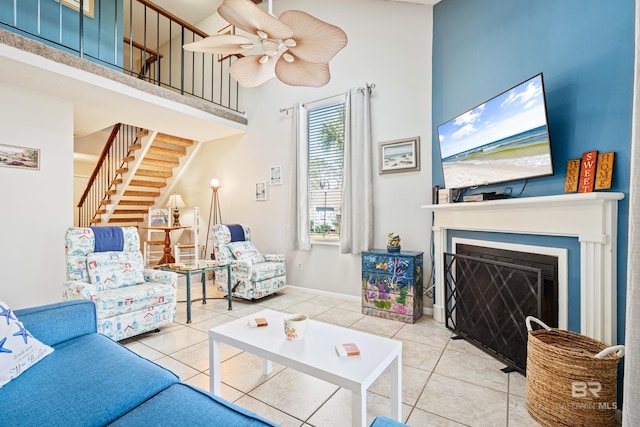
(503, 139)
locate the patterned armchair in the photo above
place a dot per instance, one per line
(253, 275)
(105, 265)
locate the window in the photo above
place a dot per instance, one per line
(325, 136)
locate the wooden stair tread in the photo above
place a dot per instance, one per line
(173, 140)
(125, 220)
(146, 183)
(155, 173)
(126, 202)
(160, 162)
(142, 193)
(129, 211)
(169, 152)
(134, 147)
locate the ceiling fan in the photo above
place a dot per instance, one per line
(296, 48)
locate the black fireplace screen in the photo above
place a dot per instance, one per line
(487, 302)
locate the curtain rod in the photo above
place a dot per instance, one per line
(368, 87)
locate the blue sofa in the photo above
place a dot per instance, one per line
(90, 380)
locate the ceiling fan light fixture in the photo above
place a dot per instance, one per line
(296, 48)
(271, 47)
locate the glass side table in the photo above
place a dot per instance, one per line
(202, 268)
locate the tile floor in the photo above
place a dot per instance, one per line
(445, 382)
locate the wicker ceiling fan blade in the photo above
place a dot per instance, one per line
(315, 40)
(222, 44)
(299, 72)
(250, 18)
(253, 70)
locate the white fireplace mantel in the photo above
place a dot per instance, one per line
(591, 217)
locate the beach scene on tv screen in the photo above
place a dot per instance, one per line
(504, 139)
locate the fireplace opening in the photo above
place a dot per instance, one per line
(489, 292)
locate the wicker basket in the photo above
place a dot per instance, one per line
(571, 378)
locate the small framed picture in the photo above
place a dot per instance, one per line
(261, 191)
(402, 155)
(276, 175)
(159, 217)
(13, 156)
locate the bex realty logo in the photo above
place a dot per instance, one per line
(585, 389)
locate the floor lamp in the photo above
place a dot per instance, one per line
(214, 211)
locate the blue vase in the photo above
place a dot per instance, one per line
(393, 249)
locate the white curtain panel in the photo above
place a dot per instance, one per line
(631, 409)
(356, 222)
(298, 235)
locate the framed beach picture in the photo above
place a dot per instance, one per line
(13, 156)
(261, 191)
(276, 175)
(402, 155)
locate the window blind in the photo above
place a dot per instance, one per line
(325, 136)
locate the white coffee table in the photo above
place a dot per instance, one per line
(315, 355)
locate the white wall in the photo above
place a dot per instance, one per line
(37, 204)
(389, 45)
(82, 170)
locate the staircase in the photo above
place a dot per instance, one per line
(141, 168)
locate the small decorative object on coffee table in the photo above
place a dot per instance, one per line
(393, 242)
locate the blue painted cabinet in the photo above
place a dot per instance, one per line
(392, 284)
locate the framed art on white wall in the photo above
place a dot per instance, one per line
(19, 157)
(275, 175)
(402, 155)
(261, 191)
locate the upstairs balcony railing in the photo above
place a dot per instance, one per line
(136, 37)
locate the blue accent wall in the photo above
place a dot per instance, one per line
(585, 49)
(49, 22)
